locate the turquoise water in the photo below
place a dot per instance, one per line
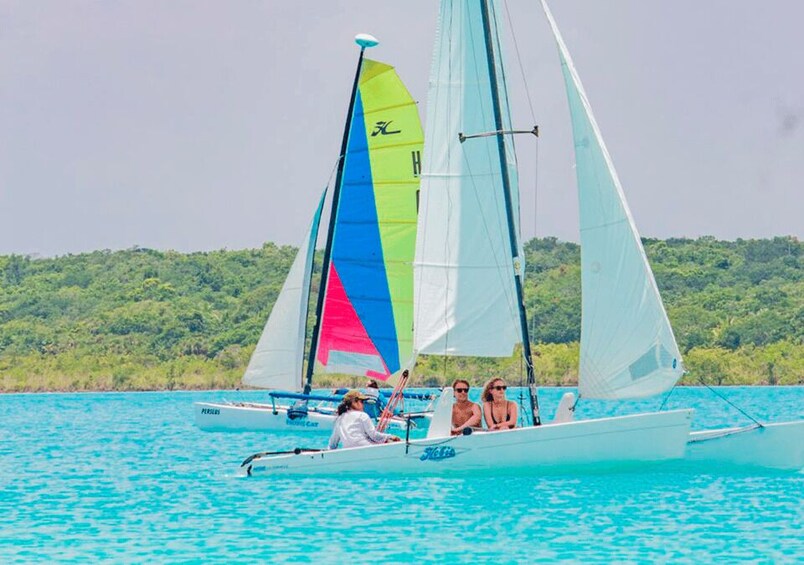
(126, 477)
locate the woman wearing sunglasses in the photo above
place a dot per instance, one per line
(499, 412)
(353, 427)
(465, 413)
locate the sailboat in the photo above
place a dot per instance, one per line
(777, 445)
(364, 313)
(468, 299)
(468, 282)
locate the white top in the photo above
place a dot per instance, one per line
(355, 429)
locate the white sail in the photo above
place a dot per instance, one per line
(277, 361)
(627, 345)
(464, 291)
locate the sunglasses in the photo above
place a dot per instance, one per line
(461, 390)
(500, 387)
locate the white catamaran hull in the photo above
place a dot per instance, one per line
(245, 417)
(588, 443)
(776, 446)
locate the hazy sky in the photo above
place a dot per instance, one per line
(197, 125)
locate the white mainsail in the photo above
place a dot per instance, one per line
(277, 361)
(627, 345)
(464, 291)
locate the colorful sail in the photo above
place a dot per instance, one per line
(627, 345)
(367, 318)
(464, 272)
(277, 361)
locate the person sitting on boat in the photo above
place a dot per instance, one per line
(499, 412)
(353, 427)
(372, 406)
(465, 413)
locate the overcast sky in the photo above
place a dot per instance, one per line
(198, 125)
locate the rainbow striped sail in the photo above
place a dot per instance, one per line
(367, 318)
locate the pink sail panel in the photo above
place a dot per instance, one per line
(344, 344)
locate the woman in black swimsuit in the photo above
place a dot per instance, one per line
(498, 412)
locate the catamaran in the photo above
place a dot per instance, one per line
(364, 312)
(468, 281)
(468, 299)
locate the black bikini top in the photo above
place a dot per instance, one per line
(507, 413)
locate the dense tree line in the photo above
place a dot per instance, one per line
(140, 318)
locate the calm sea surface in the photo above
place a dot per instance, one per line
(126, 477)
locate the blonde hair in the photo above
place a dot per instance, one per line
(486, 395)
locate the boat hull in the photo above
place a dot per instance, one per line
(775, 446)
(245, 417)
(617, 441)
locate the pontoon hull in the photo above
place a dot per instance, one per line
(588, 443)
(775, 446)
(226, 417)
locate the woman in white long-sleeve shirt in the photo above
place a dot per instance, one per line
(353, 427)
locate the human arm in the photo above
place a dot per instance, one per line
(371, 432)
(513, 411)
(472, 422)
(488, 417)
(335, 438)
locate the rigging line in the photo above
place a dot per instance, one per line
(513, 150)
(334, 169)
(727, 401)
(477, 64)
(519, 60)
(666, 398)
(310, 298)
(535, 188)
(506, 288)
(522, 413)
(512, 301)
(532, 113)
(510, 148)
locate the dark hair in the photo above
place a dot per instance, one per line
(464, 381)
(344, 407)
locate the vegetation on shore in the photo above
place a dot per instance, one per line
(143, 319)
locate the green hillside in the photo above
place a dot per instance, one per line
(145, 319)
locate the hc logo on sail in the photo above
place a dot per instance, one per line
(437, 453)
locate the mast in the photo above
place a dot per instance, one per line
(512, 238)
(364, 41)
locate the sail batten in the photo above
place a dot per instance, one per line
(628, 349)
